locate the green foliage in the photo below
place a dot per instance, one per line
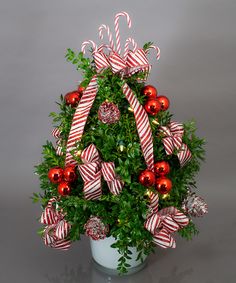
(125, 213)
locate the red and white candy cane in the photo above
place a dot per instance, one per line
(117, 30)
(157, 50)
(126, 50)
(86, 43)
(101, 29)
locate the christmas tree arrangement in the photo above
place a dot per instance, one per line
(120, 165)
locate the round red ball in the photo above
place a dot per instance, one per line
(163, 185)
(147, 178)
(64, 189)
(55, 175)
(152, 106)
(81, 89)
(164, 101)
(72, 98)
(161, 168)
(149, 91)
(70, 174)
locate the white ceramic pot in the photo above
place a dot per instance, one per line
(107, 257)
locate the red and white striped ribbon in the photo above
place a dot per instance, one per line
(154, 200)
(91, 172)
(57, 229)
(173, 134)
(165, 222)
(80, 118)
(117, 29)
(143, 126)
(56, 132)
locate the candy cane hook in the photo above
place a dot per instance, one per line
(117, 17)
(127, 42)
(157, 50)
(104, 27)
(85, 43)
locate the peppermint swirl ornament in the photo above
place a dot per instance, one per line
(194, 205)
(95, 228)
(108, 113)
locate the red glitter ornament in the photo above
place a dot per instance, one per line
(70, 174)
(64, 189)
(72, 98)
(152, 106)
(149, 91)
(95, 228)
(108, 113)
(164, 101)
(163, 185)
(161, 168)
(55, 175)
(147, 178)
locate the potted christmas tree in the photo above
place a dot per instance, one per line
(121, 170)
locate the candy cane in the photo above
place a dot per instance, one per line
(157, 50)
(127, 42)
(117, 17)
(102, 46)
(85, 43)
(104, 27)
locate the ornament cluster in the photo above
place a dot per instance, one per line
(63, 177)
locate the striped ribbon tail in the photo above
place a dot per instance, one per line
(114, 184)
(164, 239)
(80, 119)
(184, 155)
(56, 132)
(154, 200)
(143, 126)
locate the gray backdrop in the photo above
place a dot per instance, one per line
(196, 71)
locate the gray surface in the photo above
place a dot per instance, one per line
(197, 72)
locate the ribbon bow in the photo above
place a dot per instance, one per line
(93, 169)
(56, 132)
(165, 222)
(128, 64)
(57, 228)
(172, 139)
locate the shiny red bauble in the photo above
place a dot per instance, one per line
(81, 89)
(152, 106)
(147, 178)
(149, 91)
(72, 98)
(163, 185)
(161, 168)
(164, 101)
(70, 174)
(55, 175)
(64, 188)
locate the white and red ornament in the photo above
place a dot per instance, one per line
(108, 113)
(194, 205)
(95, 228)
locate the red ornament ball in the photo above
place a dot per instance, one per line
(161, 168)
(70, 174)
(149, 91)
(152, 106)
(55, 175)
(81, 89)
(64, 188)
(164, 101)
(108, 113)
(147, 178)
(163, 185)
(72, 98)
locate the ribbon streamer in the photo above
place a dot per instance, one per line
(163, 223)
(91, 172)
(57, 229)
(173, 134)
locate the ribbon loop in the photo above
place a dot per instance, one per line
(173, 134)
